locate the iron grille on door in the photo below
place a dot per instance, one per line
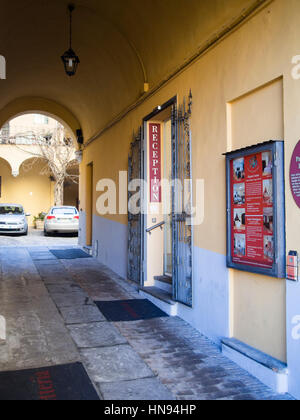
(134, 221)
(182, 203)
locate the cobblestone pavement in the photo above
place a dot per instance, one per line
(37, 238)
(52, 319)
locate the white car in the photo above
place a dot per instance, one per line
(13, 219)
(62, 219)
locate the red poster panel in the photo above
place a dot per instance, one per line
(252, 210)
(155, 162)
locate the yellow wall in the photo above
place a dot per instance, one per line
(257, 117)
(30, 188)
(256, 54)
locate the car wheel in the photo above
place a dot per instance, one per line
(46, 233)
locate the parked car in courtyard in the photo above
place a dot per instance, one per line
(13, 219)
(64, 219)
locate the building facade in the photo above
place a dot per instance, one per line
(25, 179)
(201, 94)
(245, 91)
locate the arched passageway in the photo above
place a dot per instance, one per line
(163, 87)
(31, 180)
(42, 106)
(31, 188)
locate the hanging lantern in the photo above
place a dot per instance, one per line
(69, 58)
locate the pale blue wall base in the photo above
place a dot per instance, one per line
(293, 343)
(82, 229)
(277, 381)
(110, 244)
(171, 310)
(210, 313)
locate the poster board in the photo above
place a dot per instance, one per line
(256, 209)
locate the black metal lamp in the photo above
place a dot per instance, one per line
(70, 59)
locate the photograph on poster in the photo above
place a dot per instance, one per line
(268, 191)
(239, 194)
(239, 245)
(267, 163)
(269, 248)
(253, 164)
(268, 220)
(239, 169)
(239, 219)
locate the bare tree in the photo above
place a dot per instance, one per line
(57, 150)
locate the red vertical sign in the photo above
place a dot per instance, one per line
(155, 162)
(252, 210)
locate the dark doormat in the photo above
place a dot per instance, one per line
(69, 254)
(129, 310)
(65, 382)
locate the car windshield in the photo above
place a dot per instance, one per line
(15, 210)
(65, 211)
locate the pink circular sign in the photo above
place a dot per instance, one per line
(295, 174)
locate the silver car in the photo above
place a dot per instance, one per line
(63, 219)
(13, 219)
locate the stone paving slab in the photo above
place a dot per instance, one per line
(71, 299)
(99, 334)
(98, 281)
(47, 262)
(43, 258)
(114, 364)
(52, 274)
(65, 288)
(82, 314)
(58, 279)
(139, 389)
(42, 255)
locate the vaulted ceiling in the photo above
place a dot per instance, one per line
(121, 44)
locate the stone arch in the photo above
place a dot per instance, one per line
(31, 163)
(36, 105)
(5, 162)
(32, 188)
(16, 157)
